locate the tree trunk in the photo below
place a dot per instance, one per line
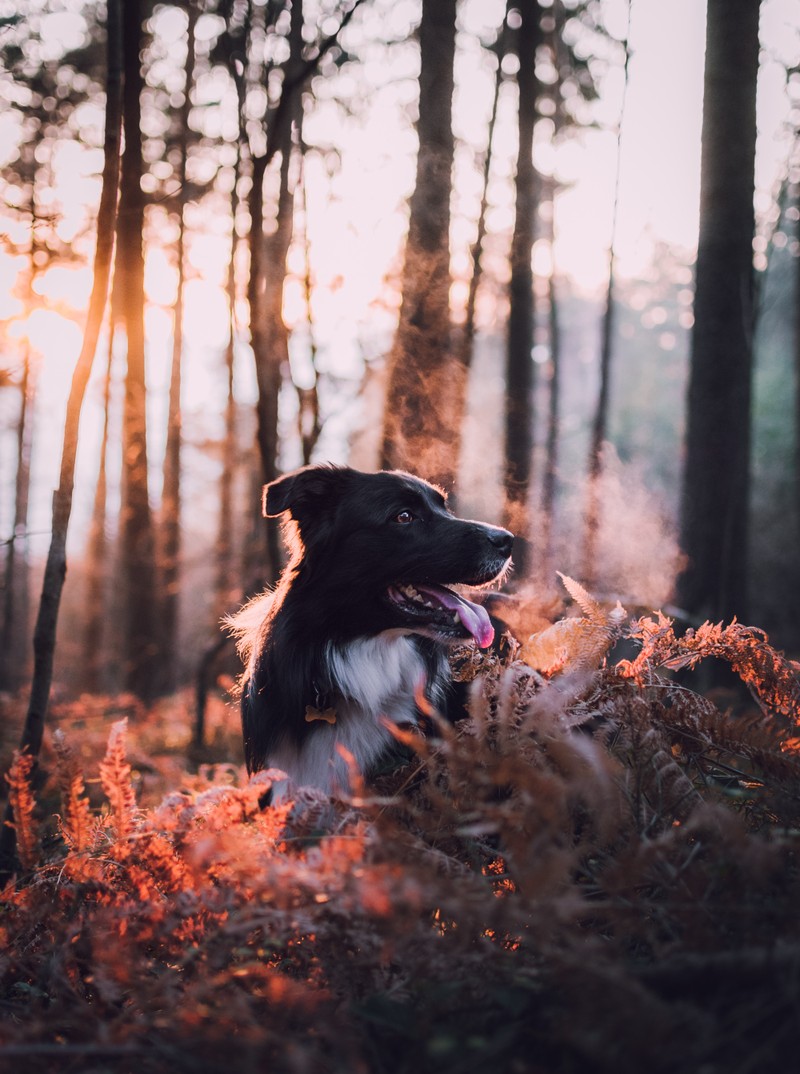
(550, 475)
(14, 634)
(425, 379)
(225, 584)
(716, 474)
(519, 414)
(309, 426)
(95, 641)
(136, 524)
(16, 593)
(466, 343)
(465, 346)
(171, 498)
(268, 334)
(599, 433)
(44, 639)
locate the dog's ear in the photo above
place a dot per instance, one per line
(277, 496)
(297, 491)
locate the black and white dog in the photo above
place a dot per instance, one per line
(356, 631)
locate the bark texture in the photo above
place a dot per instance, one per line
(44, 638)
(137, 539)
(715, 482)
(426, 380)
(171, 499)
(519, 415)
(268, 334)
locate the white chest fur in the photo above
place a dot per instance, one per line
(376, 679)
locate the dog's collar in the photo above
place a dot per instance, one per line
(323, 699)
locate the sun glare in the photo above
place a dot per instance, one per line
(51, 335)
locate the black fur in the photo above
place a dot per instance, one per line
(336, 631)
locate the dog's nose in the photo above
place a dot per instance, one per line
(502, 540)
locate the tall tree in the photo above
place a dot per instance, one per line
(519, 413)
(715, 480)
(14, 629)
(248, 25)
(465, 342)
(44, 100)
(309, 426)
(96, 650)
(424, 377)
(268, 335)
(14, 633)
(142, 641)
(231, 51)
(225, 574)
(171, 498)
(599, 430)
(44, 640)
(552, 439)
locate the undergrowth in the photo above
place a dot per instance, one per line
(597, 871)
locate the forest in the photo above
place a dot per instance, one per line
(544, 254)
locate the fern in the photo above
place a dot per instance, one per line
(561, 881)
(578, 644)
(23, 805)
(115, 777)
(77, 825)
(773, 680)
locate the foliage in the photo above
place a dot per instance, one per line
(579, 643)
(595, 871)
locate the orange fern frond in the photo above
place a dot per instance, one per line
(77, 825)
(585, 601)
(23, 804)
(771, 677)
(657, 637)
(115, 777)
(578, 644)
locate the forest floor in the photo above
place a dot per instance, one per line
(596, 871)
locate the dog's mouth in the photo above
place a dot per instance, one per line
(444, 612)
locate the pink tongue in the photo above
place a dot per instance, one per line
(473, 617)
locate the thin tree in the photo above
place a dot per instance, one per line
(425, 380)
(15, 582)
(15, 622)
(550, 475)
(44, 639)
(268, 253)
(599, 430)
(519, 410)
(465, 344)
(716, 472)
(464, 351)
(268, 335)
(309, 425)
(224, 543)
(233, 50)
(171, 497)
(95, 642)
(142, 640)
(573, 69)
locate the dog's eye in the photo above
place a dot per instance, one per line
(404, 517)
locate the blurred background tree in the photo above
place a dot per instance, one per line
(715, 491)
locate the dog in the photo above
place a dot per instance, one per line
(354, 637)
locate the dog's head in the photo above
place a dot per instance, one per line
(380, 550)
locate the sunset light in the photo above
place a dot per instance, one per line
(399, 536)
